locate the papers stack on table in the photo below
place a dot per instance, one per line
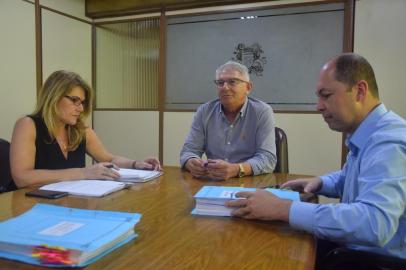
(93, 188)
(136, 176)
(99, 188)
(57, 236)
(210, 200)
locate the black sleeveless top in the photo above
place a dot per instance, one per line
(49, 155)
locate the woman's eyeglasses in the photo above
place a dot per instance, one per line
(76, 100)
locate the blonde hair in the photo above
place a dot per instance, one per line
(59, 84)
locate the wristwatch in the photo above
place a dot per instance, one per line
(241, 173)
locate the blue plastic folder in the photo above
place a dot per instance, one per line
(210, 200)
(87, 234)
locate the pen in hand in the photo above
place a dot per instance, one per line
(277, 186)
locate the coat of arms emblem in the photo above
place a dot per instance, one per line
(251, 57)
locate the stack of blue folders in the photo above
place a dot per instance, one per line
(210, 200)
(57, 236)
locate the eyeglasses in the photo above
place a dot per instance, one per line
(76, 100)
(231, 82)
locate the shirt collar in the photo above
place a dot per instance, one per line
(358, 139)
(242, 110)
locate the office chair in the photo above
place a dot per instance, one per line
(281, 142)
(6, 181)
(344, 258)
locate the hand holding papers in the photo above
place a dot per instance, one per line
(58, 236)
(210, 200)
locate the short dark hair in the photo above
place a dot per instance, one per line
(351, 67)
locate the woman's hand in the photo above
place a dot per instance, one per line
(148, 164)
(102, 170)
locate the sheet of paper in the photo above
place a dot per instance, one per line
(94, 188)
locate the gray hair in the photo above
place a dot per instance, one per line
(243, 70)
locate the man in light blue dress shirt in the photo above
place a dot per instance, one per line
(372, 183)
(236, 132)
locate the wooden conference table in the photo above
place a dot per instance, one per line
(171, 238)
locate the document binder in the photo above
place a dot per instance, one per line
(57, 236)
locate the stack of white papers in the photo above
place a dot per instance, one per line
(136, 176)
(99, 188)
(93, 188)
(210, 200)
(57, 236)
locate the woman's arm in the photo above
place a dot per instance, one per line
(22, 158)
(95, 148)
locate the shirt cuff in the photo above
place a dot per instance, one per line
(328, 186)
(301, 216)
(185, 159)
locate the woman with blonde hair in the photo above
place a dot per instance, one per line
(50, 144)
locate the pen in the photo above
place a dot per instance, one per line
(206, 163)
(277, 186)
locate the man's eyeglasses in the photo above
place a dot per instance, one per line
(76, 100)
(231, 82)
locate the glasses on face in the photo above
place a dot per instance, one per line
(76, 100)
(231, 82)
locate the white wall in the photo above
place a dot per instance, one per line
(66, 44)
(72, 7)
(380, 36)
(17, 65)
(131, 134)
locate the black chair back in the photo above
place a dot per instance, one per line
(6, 181)
(281, 142)
(344, 258)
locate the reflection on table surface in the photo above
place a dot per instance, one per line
(171, 238)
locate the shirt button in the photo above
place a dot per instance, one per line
(226, 159)
(228, 143)
(231, 126)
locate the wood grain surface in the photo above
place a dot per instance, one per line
(171, 238)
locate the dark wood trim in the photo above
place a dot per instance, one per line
(126, 109)
(126, 20)
(38, 45)
(349, 15)
(66, 15)
(161, 83)
(181, 6)
(127, 9)
(348, 46)
(277, 6)
(93, 68)
(31, 2)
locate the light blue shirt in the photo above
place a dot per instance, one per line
(250, 138)
(372, 188)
